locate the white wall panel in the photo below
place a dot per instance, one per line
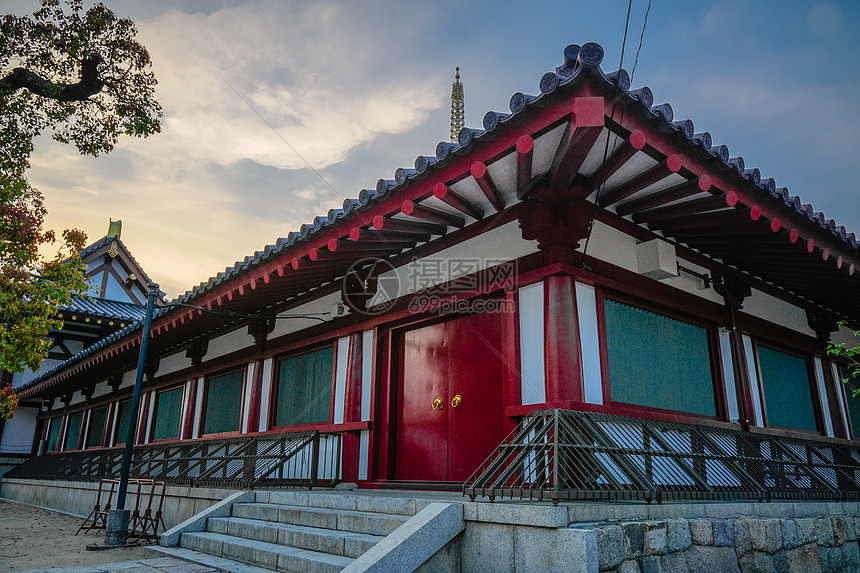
(822, 394)
(367, 347)
(246, 400)
(532, 373)
(265, 395)
(754, 381)
(589, 344)
(363, 453)
(729, 375)
(340, 378)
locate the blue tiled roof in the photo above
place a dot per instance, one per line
(100, 307)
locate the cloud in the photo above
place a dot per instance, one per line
(303, 71)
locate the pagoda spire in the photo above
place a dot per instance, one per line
(457, 101)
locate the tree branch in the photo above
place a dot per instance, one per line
(89, 85)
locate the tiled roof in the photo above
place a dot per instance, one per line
(580, 62)
(104, 242)
(125, 311)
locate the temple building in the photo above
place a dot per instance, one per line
(583, 256)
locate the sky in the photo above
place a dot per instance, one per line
(359, 89)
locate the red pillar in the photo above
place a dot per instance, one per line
(352, 407)
(561, 342)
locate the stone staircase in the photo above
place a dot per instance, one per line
(301, 531)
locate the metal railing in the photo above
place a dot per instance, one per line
(298, 459)
(563, 455)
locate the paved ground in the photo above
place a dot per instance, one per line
(33, 539)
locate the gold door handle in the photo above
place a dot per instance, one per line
(456, 401)
(438, 403)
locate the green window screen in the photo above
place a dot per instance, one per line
(304, 388)
(122, 422)
(787, 393)
(657, 361)
(223, 409)
(168, 410)
(96, 433)
(74, 431)
(53, 433)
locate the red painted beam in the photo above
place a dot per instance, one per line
(672, 164)
(377, 236)
(687, 208)
(624, 152)
(430, 214)
(525, 153)
(485, 182)
(674, 193)
(586, 124)
(452, 198)
(408, 227)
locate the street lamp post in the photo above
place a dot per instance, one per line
(116, 530)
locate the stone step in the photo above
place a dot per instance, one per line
(366, 522)
(262, 554)
(330, 541)
(368, 503)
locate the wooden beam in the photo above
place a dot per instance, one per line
(693, 221)
(622, 154)
(452, 198)
(586, 124)
(408, 227)
(672, 164)
(525, 152)
(693, 207)
(377, 236)
(485, 182)
(430, 214)
(674, 193)
(344, 246)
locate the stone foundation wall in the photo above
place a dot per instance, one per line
(741, 544)
(78, 498)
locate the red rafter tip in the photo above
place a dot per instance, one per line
(793, 235)
(332, 245)
(266, 278)
(775, 225)
(219, 301)
(354, 234)
(407, 207)
(295, 263)
(851, 270)
(839, 262)
(478, 169)
(705, 182)
(810, 245)
(525, 144)
(230, 295)
(253, 284)
(440, 190)
(241, 290)
(755, 212)
(673, 162)
(637, 139)
(731, 198)
(313, 254)
(378, 221)
(825, 254)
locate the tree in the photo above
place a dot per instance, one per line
(84, 78)
(851, 356)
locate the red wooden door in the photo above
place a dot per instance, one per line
(461, 358)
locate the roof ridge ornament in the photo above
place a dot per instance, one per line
(458, 120)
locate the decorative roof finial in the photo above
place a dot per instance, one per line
(114, 228)
(457, 103)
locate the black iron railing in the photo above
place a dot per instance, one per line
(300, 459)
(562, 455)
